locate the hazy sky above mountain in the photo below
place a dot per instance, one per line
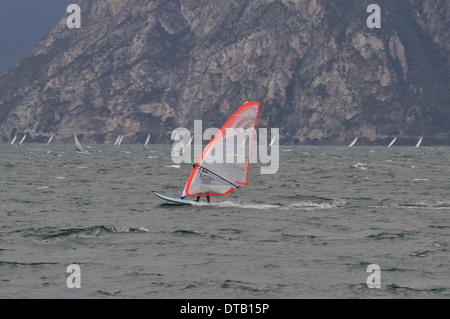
(23, 23)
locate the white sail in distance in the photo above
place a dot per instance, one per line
(14, 139)
(50, 139)
(23, 139)
(77, 144)
(354, 142)
(147, 140)
(117, 140)
(419, 142)
(392, 143)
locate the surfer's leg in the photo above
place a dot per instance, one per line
(207, 198)
(198, 199)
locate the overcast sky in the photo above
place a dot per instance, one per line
(23, 23)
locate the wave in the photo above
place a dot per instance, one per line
(297, 204)
(188, 233)
(387, 235)
(47, 234)
(424, 205)
(107, 293)
(19, 264)
(360, 166)
(396, 289)
(239, 286)
(313, 205)
(442, 205)
(240, 205)
(184, 232)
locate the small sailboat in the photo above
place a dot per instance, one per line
(14, 139)
(419, 142)
(216, 176)
(353, 143)
(392, 142)
(272, 141)
(187, 140)
(244, 141)
(120, 140)
(147, 140)
(77, 144)
(23, 139)
(50, 139)
(117, 140)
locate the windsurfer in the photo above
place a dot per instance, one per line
(207, 199)
(205, 177)
(198, 199)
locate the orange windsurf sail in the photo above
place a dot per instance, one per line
(223, 165)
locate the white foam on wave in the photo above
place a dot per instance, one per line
(125, 229)
(308, 205)
(240, 205)
(416, 205)
(443, 204)
(360, 166)
(424, 205)
(313, 205)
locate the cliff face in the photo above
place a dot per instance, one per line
(321, 75)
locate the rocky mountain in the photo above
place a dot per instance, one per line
(320, 73)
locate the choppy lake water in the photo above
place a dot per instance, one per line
(309, 231)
